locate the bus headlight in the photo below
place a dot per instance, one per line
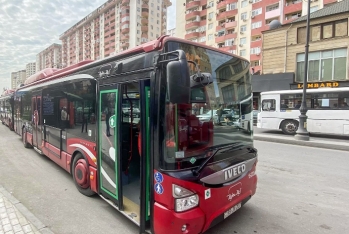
(184, 199)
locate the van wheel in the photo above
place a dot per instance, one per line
(24, 139)
(289, 127)
(81, 175)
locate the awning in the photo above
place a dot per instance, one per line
(272, 82)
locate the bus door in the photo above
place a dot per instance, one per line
(36, 108)
(108, 149)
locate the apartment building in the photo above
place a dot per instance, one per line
(113, 27)
(17, 78)
(171, 32)
(236, 26)
(30, 69)
(328, 46)
(51, 57)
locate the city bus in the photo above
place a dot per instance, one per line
(125, 128)
(6, 108)
(328, 110)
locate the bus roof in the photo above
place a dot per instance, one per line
(319, 90)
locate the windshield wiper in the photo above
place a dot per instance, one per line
(197, 171)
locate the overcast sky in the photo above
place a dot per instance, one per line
(29, 26)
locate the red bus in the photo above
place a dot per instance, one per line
(6, 108)
(126, 128)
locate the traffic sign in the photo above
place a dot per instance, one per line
(112, 121)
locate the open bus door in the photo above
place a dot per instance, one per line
(124, 146)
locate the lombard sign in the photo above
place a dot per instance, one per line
(320, 85)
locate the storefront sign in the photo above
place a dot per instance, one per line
(319, 85)
(316, 85)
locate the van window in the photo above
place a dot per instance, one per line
(269, 105)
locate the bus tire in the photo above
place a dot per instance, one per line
(24, 139)
(289, 127)
(81, 175)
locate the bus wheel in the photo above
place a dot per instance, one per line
(24, 138)
(81, 175)
(289, 127)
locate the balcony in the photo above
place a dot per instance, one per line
(257, 43)
(125, 45)
(228, 48)
(145, 12)
(144, 21)
(291, 7)
(144, 28)
(254, 57)
(191, 35)
(226, 14)
(223, 4)
(125, 2)
(145, 6)
(192, 25)
(272, 14)
(230, 25)
(125, 37)
(125, 30)
(225, 37)
(192, 15)
(203, 13)
(192, 4)
(220, 27)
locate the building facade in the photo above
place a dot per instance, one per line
(115, 26)
(171, 32)
(30, 69)
(51, 57)
(17, 78)
(236, 26)
(283, 48)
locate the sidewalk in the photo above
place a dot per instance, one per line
(335, 144)
(15, 218)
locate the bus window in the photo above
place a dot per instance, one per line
(269, 105)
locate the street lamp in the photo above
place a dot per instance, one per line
(302, 133)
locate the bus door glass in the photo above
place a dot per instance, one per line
(108, 146)
(36, 104)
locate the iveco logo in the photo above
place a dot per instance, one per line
(234, 171)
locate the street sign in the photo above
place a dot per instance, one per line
(112, 121)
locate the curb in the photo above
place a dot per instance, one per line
(25, 212)
(311, 143)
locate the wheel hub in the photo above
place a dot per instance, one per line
(81, 173)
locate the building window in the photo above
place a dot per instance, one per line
(324, 31)
(257, 12)
(255, 63)
(210, 26)
(244, 3)
(314, 8)
(229, 42)
(243, 41)
(210, 15)
(202, 39)
(210, 4)
(323, 65)
(231, 6)
(272, 7)
(256, 50)
(256, 25)
(244, 16)
(210, 37)
(243, 28)
(242, 52)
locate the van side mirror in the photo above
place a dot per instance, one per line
(178, 80)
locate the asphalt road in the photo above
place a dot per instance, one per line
(300, 190)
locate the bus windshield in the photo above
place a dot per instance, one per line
(218, 114)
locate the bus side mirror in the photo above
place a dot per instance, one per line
(178, 80)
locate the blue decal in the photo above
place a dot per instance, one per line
(158, 188)
(158, 177)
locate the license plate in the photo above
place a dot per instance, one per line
(232, 210)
